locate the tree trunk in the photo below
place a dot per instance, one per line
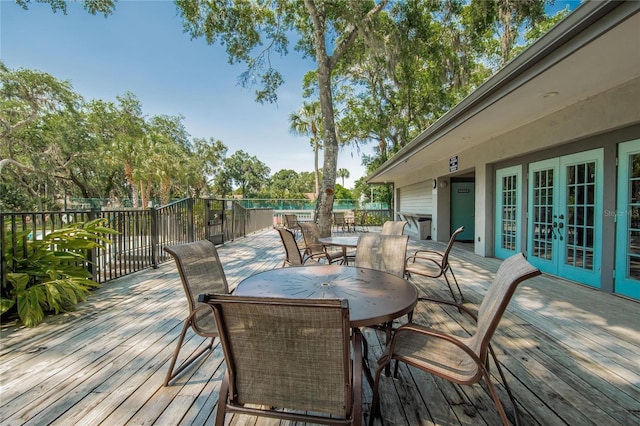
(128, 174)
(316, 169)
(324, 206)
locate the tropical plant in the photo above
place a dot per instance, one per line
(50, 275)
(307, 121)
(343, 173)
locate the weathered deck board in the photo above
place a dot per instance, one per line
(571, 354)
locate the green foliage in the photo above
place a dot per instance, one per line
(15, 199)
(49, 275)
(342, 193)
(247, 172)
(287, 184)
(105, 7)
(53, 143)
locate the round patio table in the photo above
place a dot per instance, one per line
(375, 297)
(344, 242)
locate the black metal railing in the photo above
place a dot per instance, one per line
(140, 235)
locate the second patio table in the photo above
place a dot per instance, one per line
(375, 297)
(344, 242)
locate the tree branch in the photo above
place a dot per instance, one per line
(14, 162)
(349, 39)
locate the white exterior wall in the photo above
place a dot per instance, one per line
(416, 198)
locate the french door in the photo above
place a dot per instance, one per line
(508, 205)
(565, 216)
(627, 272)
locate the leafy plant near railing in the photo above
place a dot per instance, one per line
(50, 275)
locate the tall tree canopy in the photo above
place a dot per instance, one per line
(247, 172)
(54, 144)
(252, 31)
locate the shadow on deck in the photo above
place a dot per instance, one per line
(569, 351)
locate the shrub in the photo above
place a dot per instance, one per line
(50, 275)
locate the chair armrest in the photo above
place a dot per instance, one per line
(412, 259)
(428, 251)
(203, 306)
(315, 256)
(460, 307)
(419, 329)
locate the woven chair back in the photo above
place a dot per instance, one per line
(200, 272)
(290, 221)
(287, 353)
(363, 220)
(393, 227)
(445, 254)
(512, 271)
(382, 252)
(292, 251)
(311, 235)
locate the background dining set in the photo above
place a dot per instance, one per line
(292, 336)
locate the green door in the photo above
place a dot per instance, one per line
(463, 207)
(508, 205)
(627, 273)
(565, 216)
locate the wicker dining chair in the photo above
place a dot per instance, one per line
(362, 222)
(291, 223)
(293, 254)
(339, 221)
(462, 360)
(433, 264)
(313, 246)
(393, 227)
(200, 271)
(304, 366)
(382, 252)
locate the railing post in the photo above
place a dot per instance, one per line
(3, 273)
(93, 255)
(154, 237)
(191, 216)
(233, 217)
(207, 220)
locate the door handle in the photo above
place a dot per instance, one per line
(557, 226)
(560, 226)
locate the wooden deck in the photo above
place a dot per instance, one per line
(572, 354)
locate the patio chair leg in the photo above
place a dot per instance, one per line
(456, 281)
(171, 373)
(496, 399)
(453, 295)
(375, 403)
(222, 400)
(516, 416)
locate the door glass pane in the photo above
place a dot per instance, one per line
(542, 208)
(633, 222)
(580, 211)
(509, 210)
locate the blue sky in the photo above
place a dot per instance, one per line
(141, 48)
